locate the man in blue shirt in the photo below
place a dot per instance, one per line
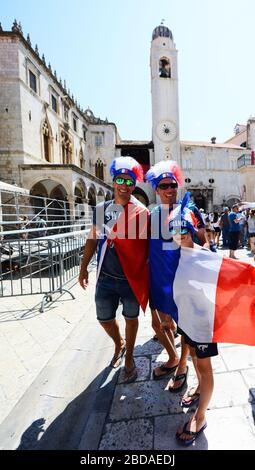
(234, 230)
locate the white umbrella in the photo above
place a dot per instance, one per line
(12, 188)
(246, 205)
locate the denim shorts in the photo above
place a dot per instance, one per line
(109, 292)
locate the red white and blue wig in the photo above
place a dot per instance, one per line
(126, 166)
(164, 169)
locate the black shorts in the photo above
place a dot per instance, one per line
(233, 240)
(202, 350)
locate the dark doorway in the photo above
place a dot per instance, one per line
(139, 152)
(199, 200)
(141, 196)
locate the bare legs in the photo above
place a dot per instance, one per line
(205, 388)
(167, 343)
(112, 329)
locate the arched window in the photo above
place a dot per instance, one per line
(164, 68)
(99, 169)
(67, 148)
(46, 140)
(81, 160)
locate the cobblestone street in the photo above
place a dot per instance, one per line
(57, 391)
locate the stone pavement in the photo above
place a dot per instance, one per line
(57, 391)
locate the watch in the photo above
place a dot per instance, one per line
(166, 130)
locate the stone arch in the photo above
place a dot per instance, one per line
(80, 191)
(59, 208)
(92, 196)
(38, 198)
(58, 192)
(47, 140)
(46, 190)
(108, 196)
(232, 199)
(139, 194)
(100, 195)
(38, 189)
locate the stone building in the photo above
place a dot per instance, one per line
(54, 148)
(48, 144)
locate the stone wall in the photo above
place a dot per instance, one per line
(11, 139)
(201, 163)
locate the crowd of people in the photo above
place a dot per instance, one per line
(233, 227)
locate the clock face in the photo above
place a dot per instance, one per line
(166, 131)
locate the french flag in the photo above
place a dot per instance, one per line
(211, 298)
(129, 236)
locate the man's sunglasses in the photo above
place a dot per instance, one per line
(127, 181)
(168, 185)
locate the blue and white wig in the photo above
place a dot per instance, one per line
(126, 166)
(164, 169)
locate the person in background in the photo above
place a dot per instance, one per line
(42, 224)
(216, 228)
(210, 244)
(243, 228)
(24, 234)
(224, 226)
(234, 231)
(251, 229)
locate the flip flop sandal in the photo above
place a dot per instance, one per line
(188, 442)
(194, 398)
(178, 377)
(166, 370)
(116, 360)
(130, 375)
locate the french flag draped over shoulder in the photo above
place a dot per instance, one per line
(129, 236)
(211, 298)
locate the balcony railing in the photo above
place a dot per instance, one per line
(246, 160)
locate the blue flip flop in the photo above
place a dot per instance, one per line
(190, 433)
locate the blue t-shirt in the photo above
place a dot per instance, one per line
(233, 226)
(105, 216)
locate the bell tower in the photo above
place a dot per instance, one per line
(164, 94)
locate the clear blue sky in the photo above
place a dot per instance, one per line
(102, 49)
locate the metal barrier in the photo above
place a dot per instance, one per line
(40, 266)
(35, 216)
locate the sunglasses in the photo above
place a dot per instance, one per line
(168, 185)
(128, 182)
(183, 231)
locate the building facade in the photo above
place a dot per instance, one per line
(54, 148)
(48, 144)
